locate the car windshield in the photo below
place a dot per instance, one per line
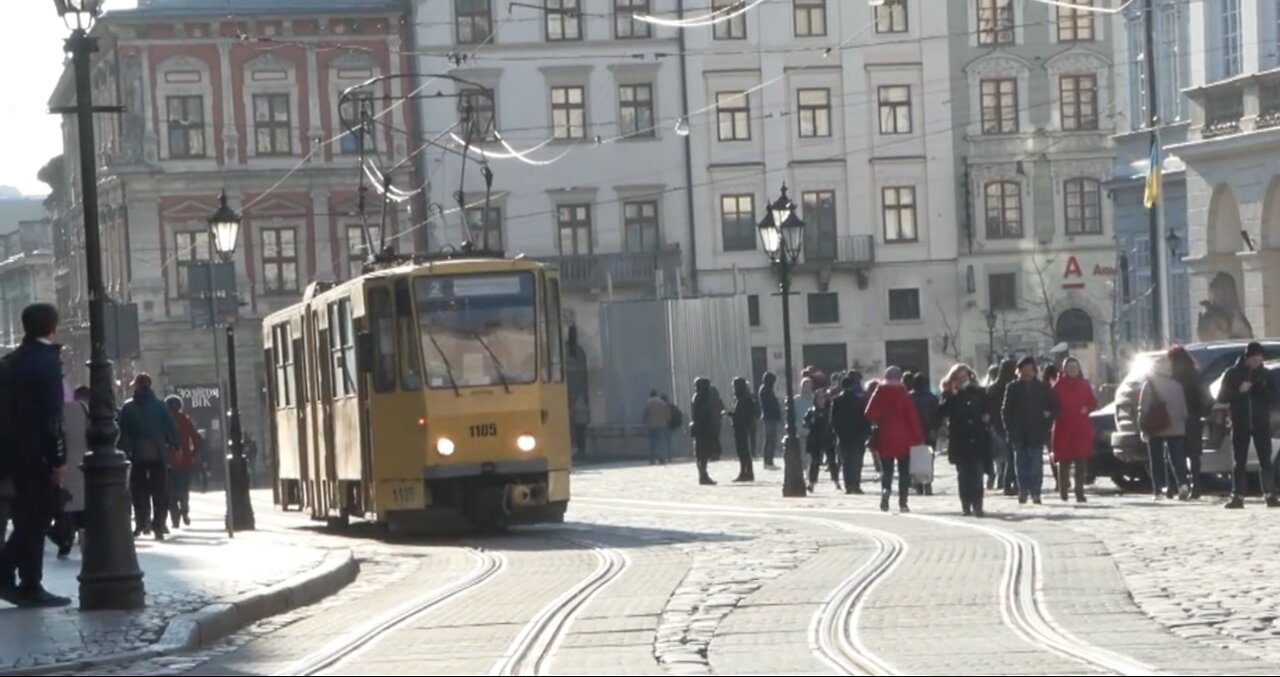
(478, 329)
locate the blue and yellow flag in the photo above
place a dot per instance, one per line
(1152, 193)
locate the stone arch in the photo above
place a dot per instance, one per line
(1074, 327)
(1269, 224)
(1224, 224)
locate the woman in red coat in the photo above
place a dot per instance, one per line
(1072, 430)
(897, 430)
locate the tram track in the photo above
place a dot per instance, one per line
(1023, 607)
(486, 565)
(532, 650)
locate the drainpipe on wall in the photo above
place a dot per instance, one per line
(688, 158)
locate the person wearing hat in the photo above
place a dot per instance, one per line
(1027, 411)
(1248, 390)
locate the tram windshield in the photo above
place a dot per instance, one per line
(478, 329)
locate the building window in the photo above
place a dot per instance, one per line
(569, 112)
(359, 110)
(995, 22)
(635, 104)
(640, 221)
(734, 28)
(819, 209)
(810, 18)
(1079, 106)
(1083, 203)
(904, 304)
(899, 205)
(190, 247)
(359, 251)
(891, 17)
(999, 106)
(1002, 291)
(1004, 209)
(476, 113)
(272, 125)
(733, 116)
(815, 112)
(824, 308)
(564, 20)
(342, 348)
(829, 358)
(895, 109)
(753, 310)
(738, 222)
(475, 21)
(186, 127)
(485, 227)
(1229, 10)
(909, 355)
(279, 260)
(1075, 24)
(575, 229)
(626, 28)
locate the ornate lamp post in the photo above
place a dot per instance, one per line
(109, 574)
(782, 234)
(224, 227)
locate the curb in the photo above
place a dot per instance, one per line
(220, 619)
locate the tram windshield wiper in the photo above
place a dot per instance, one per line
(497, 364)
(448, 369)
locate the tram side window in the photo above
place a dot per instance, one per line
(283, 352)
(383, 323)
(342, 348)
(407, 333)
(555, 344)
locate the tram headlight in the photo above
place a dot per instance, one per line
(444, 446)
(526, 443)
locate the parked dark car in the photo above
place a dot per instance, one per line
(1130, 470)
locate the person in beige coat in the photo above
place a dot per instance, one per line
(68, 527)
(1167, 447)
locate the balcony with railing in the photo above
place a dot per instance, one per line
(1248, 103)
(630, 270)
(845, 251)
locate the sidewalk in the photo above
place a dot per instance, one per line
(200, 585)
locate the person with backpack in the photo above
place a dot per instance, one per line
(1162, 418)
(34, 453)
(148, 435)
(849, 419)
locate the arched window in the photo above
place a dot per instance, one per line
(1082, 204)
(1075, 327)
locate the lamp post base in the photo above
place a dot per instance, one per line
(240, 517)
(110, 577)
(793, 484)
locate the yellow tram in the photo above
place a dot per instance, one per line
(423, 396)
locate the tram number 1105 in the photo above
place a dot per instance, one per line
(484, 430)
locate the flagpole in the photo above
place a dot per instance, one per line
(1158, 291)
(1165, 318)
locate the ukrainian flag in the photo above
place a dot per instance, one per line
(1152, 193)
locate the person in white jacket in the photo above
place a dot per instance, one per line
(1167, 446)
(68, 526)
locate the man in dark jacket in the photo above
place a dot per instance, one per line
(771, 414)
(705, 411)
(849, 418)
(148, 435)
(1248, 389)
(930, 422)
(1001, 451)
(34, 455)
(1027, 413)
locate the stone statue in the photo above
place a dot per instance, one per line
(1223, 319)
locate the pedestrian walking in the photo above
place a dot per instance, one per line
(897, 431)
(849, 420)
(746, 412)
(675, 425)
(580, 419)
(1199, 405)
(771, 416)
(68, 523)
(34, 453)
(818, 423)
(1162, 417)
(705, 413)
(1248, 389)
(148, 436)
(930, 422)
(1006, 477)
(802, 403)
(964, 409)
(1028, 411)
(657, 419)
(1072, 429)
(182, 463)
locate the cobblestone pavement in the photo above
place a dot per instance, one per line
(737, 580)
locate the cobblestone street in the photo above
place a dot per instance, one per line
(655, 575)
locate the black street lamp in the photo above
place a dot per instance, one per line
(224, 226)
(782, 234)
(109, 574)
(991, 337)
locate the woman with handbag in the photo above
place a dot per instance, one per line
(897, 431)
(1162, 418)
